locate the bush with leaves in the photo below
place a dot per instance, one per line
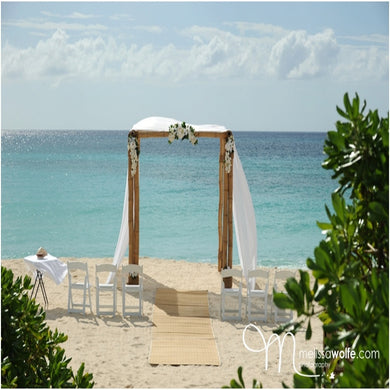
(30, 352)
(241, 384)
(350, 294)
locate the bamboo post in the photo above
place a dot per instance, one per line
(228, 281)
(220, 206)
(130, 211)
(136, 211)
(133, 184)
(230, 215)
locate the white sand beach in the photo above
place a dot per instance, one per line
(116, 349)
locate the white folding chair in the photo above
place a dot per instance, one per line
(281, 276)
(258, 295)
(234, 292)
(83, 285)
(132, 271)
(105, 287)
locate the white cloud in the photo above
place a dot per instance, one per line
(261, 29)
(211, 53)
(40, 25)
(122, 17)
(362, 63)
(74, 15)
(370, 38)
(149, 29)
(299, 55)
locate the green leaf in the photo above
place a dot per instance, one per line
(324, 225)
(355, 106)
(308, 331)
(347, 105)
(239, 371)
(303, 382)
(322, 258)
(342, 113)
(349, 297)
(294, 290)
(379, 211)
(282, 301)
(338, 205)
(336, 139)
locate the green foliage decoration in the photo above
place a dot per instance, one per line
(350, 293)
(241, 384)
(30, 351)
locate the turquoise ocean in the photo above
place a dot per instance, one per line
(64, 190)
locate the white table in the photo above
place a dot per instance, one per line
(48, 265)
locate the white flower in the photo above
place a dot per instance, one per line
(229, 147)
(132, 145)
(192, 138)
(171, 135)
(181, 132)
(230, 144)
(228, 165)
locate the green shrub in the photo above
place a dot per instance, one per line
(350, 293)
(30, 352)
(241, 384)
(351, 265)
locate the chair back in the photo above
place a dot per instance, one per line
(78, 266)
(104, 268)
(259, 274)
(133, 269)
(281, 277)
(74, 307)
(231, 272)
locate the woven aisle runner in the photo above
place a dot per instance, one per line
(182, 332)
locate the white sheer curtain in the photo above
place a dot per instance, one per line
(123, 238)
(244, 219)
(243, 211)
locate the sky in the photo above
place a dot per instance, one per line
(250, 66)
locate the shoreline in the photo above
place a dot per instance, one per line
(116, 349)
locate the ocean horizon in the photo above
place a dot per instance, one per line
(64, 190)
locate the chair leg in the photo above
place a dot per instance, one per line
(69, 298)
(97, 300)
(123, 299)
(89, 297)
(249, 309)
(84, 299)
(114, 300)
(140, 303)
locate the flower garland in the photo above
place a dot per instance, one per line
(229, 148)
(133, 148)
(182, 131)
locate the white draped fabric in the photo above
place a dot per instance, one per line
(244, 219)
(243, 211)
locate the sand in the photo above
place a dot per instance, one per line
(116, 349)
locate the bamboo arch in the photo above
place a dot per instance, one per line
(225, 208)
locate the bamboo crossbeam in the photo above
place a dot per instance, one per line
(162, 134)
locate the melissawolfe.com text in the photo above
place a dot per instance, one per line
(347, 353)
